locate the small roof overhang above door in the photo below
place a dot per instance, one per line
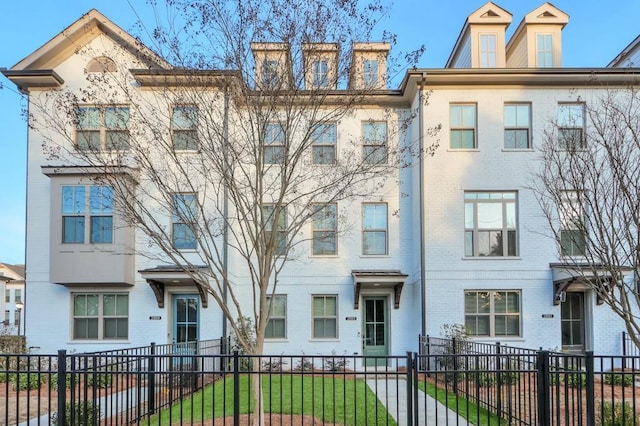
(162, 276)
(580, 277)
(378, 279)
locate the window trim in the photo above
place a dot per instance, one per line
(276, 146)
(324, 316)
(570, 202)
(191, 131)
(545, 51)
(324, 140)
(317, 209)
(486, 53)
(272, 317)
(270, 78)
(475, 230)
(492, 314)
(370, 73)
(320, 72)
(103, 130)
(374, 145)
(101, 317)
(281, 231)
(462, 127)
(516, 127)
(375, 230)
(86, 213)
(182, 219)
(562, 126)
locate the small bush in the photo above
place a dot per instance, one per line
(335, 363)
(85, 413)
(576, 380)
(99, 380)
(485, 379)
(273, 364)
(304, 364)
(26, 381)
(618, 414)
(618, 379)
(509, 377)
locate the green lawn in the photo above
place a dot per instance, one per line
(467, 409)
(334, 400)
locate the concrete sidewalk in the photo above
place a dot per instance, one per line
(393, 394)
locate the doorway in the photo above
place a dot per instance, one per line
(573, 322)
(375, 330)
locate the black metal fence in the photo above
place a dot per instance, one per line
(448, 382)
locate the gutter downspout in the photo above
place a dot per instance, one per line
(423, 295)
(225, 212)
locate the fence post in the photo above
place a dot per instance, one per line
(410, 386)
(624, 349)
(151, 379)
(499, 380)
(62, 386)
(590, 388)
(544, 404)
(236, 389)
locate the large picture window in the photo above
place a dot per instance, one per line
(490, 224)
(102, 128)
(76, 214)
(277, 323)
(183, 222)
(98, 316)
(492, 313)
(325, 317)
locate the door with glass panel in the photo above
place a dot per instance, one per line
(375, 330)
(572, 322)
(185, 322)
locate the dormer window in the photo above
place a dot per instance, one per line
(320, 74)
(544, 51)
(488, 46)
(270, 78)
(370, 73)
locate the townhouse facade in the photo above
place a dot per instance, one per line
(12, 286)
(453, 238)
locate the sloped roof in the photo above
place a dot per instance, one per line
(18, 270)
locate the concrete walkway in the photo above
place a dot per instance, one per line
(393, 394)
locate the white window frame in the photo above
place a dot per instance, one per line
(90, 205)
(325, 227)
(544, 50)
(369, 231)
(519, 126)
(323, 143)
(270, 74)
(273, 317)
(571, 125)
(102, 134)
(459, 125)
(572, 236)
(488, 53)
(492, 314)
(186, 217)
(320, 69)
(267, 212)
(474, 232)
(184, 127)
(374, 142)
(273, 146)
(324, 317)
(99, 316)
(370, 73)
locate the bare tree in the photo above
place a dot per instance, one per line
(235, 141)
(589, 189)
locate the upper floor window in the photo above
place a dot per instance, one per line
(320, 74)
(183, 221)
(517, 126)
(490, 224)
(573, 233)
(17, 295)
(101, 316)
(462, 122)
(571, 124)
(374, 229)
(273, 144)
(323, 140)
(488, 50)
(374, 135)
(275, 220)
(102, 128)
(324, 229)
(277, 323)
(492, 313)
(270, 79)
(370, 73)
(76, 213)
(184, 128)
(325, 317)
(7, 295)
(544, 51)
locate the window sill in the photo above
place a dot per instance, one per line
(493, 339)
(324, 256)
(276, 340)
(463, 150)
(321, 340)
(518, 150)
(99, 342)
(491, 258)
(374, 256)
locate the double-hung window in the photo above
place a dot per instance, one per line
(17, 297)
(517, 126)
(462, 122)
(490, 224)
(492, 313)
(184, 220)
(100, 316)
(571, 124)
(273, 144)
(275, 227)
(488, 50)
(277, 323)
(324, 229)
(325, 317)
(544, 50)
(374, 136)
(7, 295)
(102, 128)
(76, 214)
(270, 78)
(320, 74)
(370, 73)
(374, 229)
(323, 141)
(573, 232)
(184, 128)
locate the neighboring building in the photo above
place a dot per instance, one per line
(457, 239)
(629, 57)
(12, 305)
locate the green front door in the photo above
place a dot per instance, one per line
(185, 322)
(572, 323)
(375, 330)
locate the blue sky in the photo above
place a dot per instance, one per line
(596, 32)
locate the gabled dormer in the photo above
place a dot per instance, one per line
(272, 66)
(537, 42)
(481, 43)
(320, 65)
(369, 66)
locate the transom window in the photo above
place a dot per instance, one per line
(184, 128)
(488, 50)
(370, 73)
(275, 220)
(100, 316)
(273, 144)
(323, 140)
(517, 126)
(320, 74)
(462, 121)
(573, 233)
(374, 229)
(324, 229)
(325, 317)
(374, 135)
(490, 224)
(492, 313)
(544, 50)
(277, 323)
(184, 220)
(571, 124)
(76, 213)
(102, 128)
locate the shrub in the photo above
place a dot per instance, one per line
(99, 380)
(576, 380)
(85, 413)
(273, 364)
(509, 377)
(304, 364)
(618, 379)
(485, 379)
(335, 363)
(618, 414)
(25, 381)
